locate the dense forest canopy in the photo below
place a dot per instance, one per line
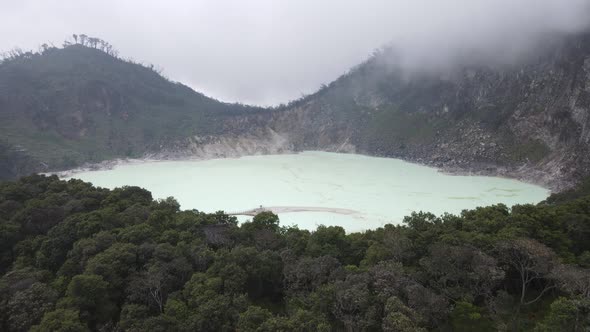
(74, 257)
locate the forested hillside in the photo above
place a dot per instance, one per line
(62, 107)
(74, 257)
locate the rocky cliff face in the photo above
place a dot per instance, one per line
(530, 121)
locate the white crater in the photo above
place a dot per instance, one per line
(316, 188)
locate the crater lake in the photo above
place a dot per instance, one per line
(316, 188)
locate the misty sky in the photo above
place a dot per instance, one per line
(271, 51)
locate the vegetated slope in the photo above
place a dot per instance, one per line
(75, 257)
(529, 120)
(62, 107)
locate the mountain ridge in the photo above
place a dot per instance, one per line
(528, 121)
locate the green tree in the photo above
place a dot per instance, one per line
(133, 316)
(90, 295)
(251, 319)
(328, 241)
(567, 315)
(468, 317)
(61, 320)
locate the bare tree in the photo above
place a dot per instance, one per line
(390, 280)
(574, 280)
(149, 287)
(533, 262)
(462, 272)
(75, 38)
(155, 285)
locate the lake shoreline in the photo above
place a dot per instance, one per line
(353, 190)
(523, 173)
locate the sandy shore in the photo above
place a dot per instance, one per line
(290, 209)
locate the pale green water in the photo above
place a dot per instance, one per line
(380, 190)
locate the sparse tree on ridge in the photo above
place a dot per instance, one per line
(83, 38)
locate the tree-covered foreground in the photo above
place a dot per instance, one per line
(74, 257)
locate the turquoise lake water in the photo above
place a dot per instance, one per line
(354, 191)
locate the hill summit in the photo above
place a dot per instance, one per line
(63, 107)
